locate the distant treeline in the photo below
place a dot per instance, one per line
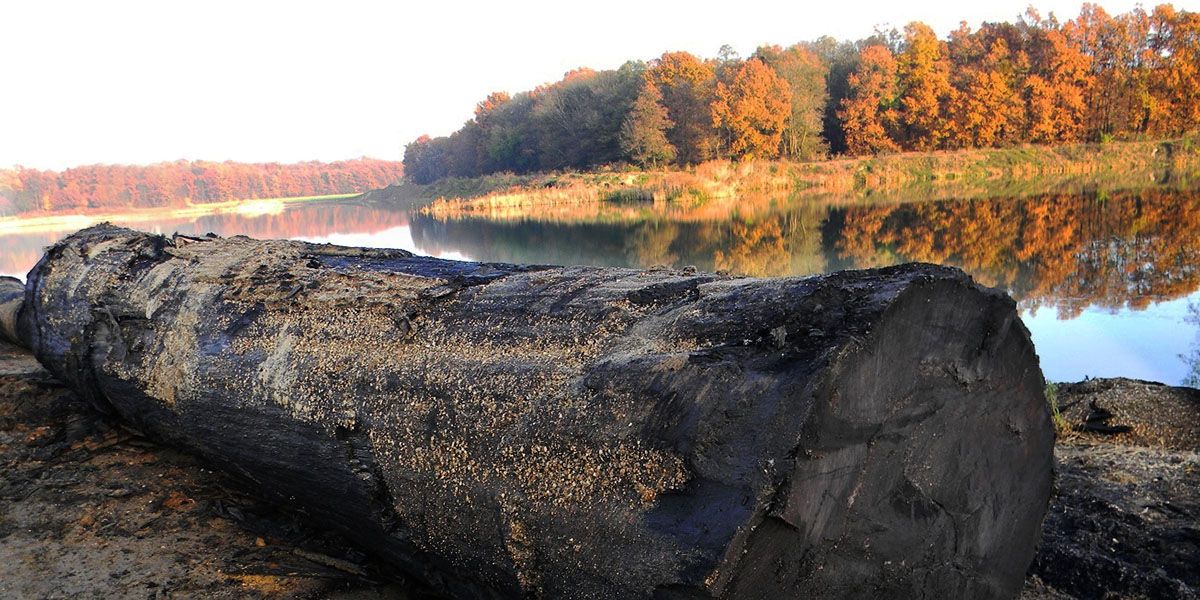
(1093, 78)
(185, 182)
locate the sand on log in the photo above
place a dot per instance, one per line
(579, 432)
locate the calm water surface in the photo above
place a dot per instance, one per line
(1107, 283)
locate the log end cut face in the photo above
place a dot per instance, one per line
(925, 468)
(579, 432)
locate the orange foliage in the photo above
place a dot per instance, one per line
(1095, 78)
(987, 108)
(1175, 71)
(1116, 46)
(1065, 250)
(182, 183)
(925, 88)
(753, 110)
(483, 109)
(687, 85)
(1057, 88)
(868, 114)
(756, 248)
(1114, 249)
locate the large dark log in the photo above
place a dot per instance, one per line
(579, 432)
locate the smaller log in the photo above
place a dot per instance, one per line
(12, 294)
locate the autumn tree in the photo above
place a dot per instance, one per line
(987, 108)
(489, 118)
(489, 105)
(868, 111)
(1118, 102)
(1174, 80)
(805, 76)
(508, 127)
(753, 110)
(183, 183)
(1057, 86)
(644, 132)
(687, 86)
(925, 91)
(423, 160)
(577, 121)
(840, 59)
(1092, 78)
(726, 64)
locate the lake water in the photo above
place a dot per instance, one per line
(1106, 282)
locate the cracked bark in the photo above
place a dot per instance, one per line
(576, 432)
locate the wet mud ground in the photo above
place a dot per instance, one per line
(90, 509)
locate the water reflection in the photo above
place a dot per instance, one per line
(1069, 251)
(21, 250)
(1191, 360)
(1125, 249)
(1103, 279)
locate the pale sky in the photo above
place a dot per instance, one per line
(140, 82)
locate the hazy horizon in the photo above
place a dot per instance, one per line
(144, 83)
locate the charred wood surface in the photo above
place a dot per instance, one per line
(579, 432)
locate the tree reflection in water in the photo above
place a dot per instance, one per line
(1124, 249)
(1119, 251)
(1192, 359)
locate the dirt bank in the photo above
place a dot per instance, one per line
(89, 509)
(1126, 520)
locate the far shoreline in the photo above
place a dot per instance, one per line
(59, 220)
(905, 176)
